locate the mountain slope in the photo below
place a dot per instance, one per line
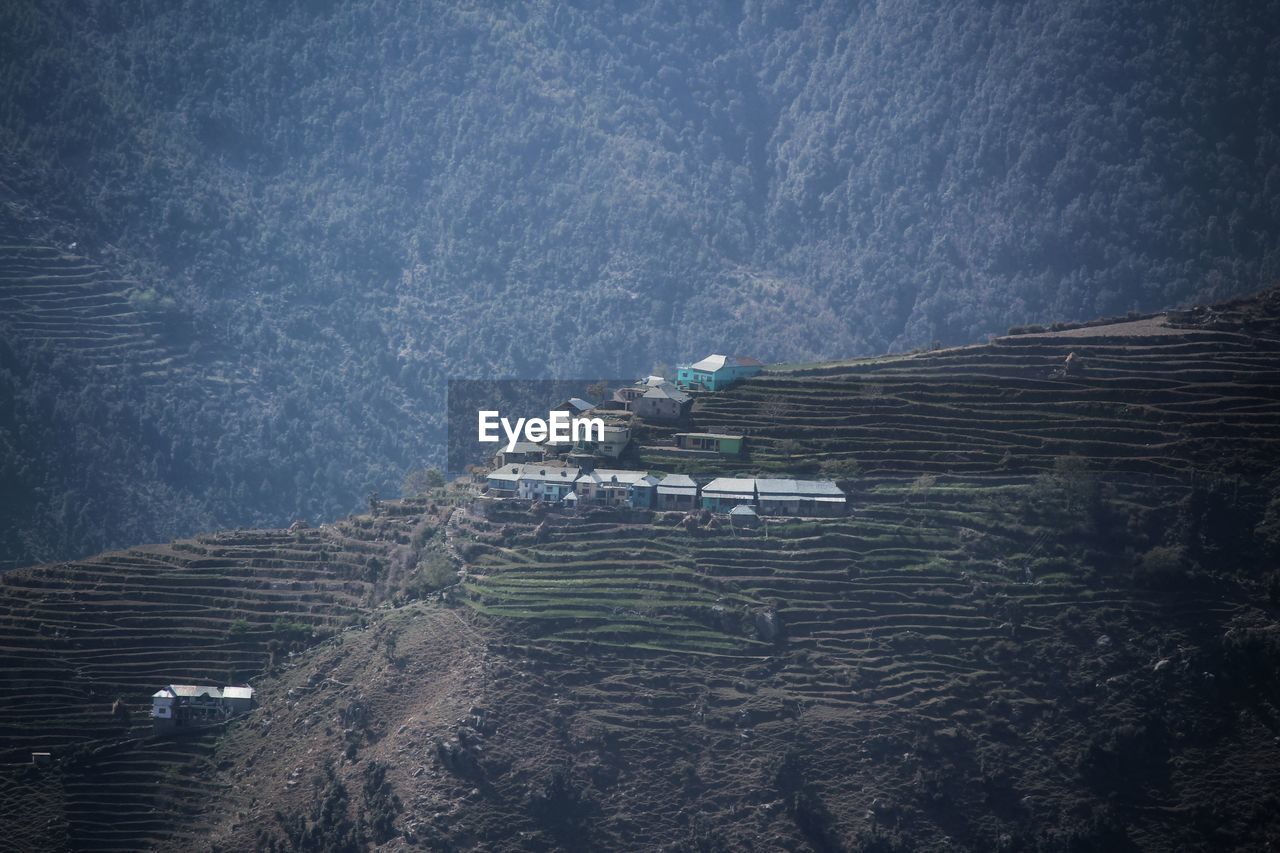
(357, 201)
(1064, 637)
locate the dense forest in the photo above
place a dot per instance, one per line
(322, 211)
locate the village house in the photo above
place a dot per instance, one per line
(180, 706)
(712, 442)
(614, 439)
(605, 487)
(524, 451)
(663, 402)
(677, 492)
(575, 406)
(799, 497)
(716, 372)
(548, 483)
(724, 493)
(628, 394)
(743, 515)
(772, 496)
(504, 481)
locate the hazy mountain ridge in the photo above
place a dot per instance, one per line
(358, 201)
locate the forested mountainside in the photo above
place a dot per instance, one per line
(329, 208)
(1063, 637)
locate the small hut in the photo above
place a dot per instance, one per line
(744, 516)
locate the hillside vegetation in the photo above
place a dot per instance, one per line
(1064, 637)
(334, 207)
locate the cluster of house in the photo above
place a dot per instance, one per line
(576, 487)
(657, 399)
(179, 706)
(653, 398)
(533, 471)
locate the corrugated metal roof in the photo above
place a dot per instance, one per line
(708, 435)
(237, 692)
(742, 509)
(776, 488)
(549, 473)
(736, 487)
(524, 447)
(609, 475)
(194, 690)
(712, 363)
(677, 484)
(666, 392)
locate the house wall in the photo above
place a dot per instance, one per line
(642, 497)
(722, 504)
(828, 509)
(784, 506)
(694, 378)
(667, 501)
(723, 446)
(657, 409)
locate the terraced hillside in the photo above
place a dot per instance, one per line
(942, 664)
(1155, 398)
(1050, 621)
(53, 296)
(131, 415)
(76, 637)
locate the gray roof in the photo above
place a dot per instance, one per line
(735, 487)
(709, 435)
(506, 472)
(776, 489)
(577, 404)
(679, 481)
(194, 690)
(609, 475)
(523, 447)
(237, 692)
(712, 363)
(548, 473)
(742, 509)
(669, 392)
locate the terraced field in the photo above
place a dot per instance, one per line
(959, 627)
(77, 636)
(1158, 403)
(1043, 625)
(948, 655)
(50, 296)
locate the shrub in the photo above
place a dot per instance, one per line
(1162, 565)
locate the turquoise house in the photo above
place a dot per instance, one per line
(716, 372)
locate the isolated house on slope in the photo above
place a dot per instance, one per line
(711, 442)
(182, 706)
(716, 372)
